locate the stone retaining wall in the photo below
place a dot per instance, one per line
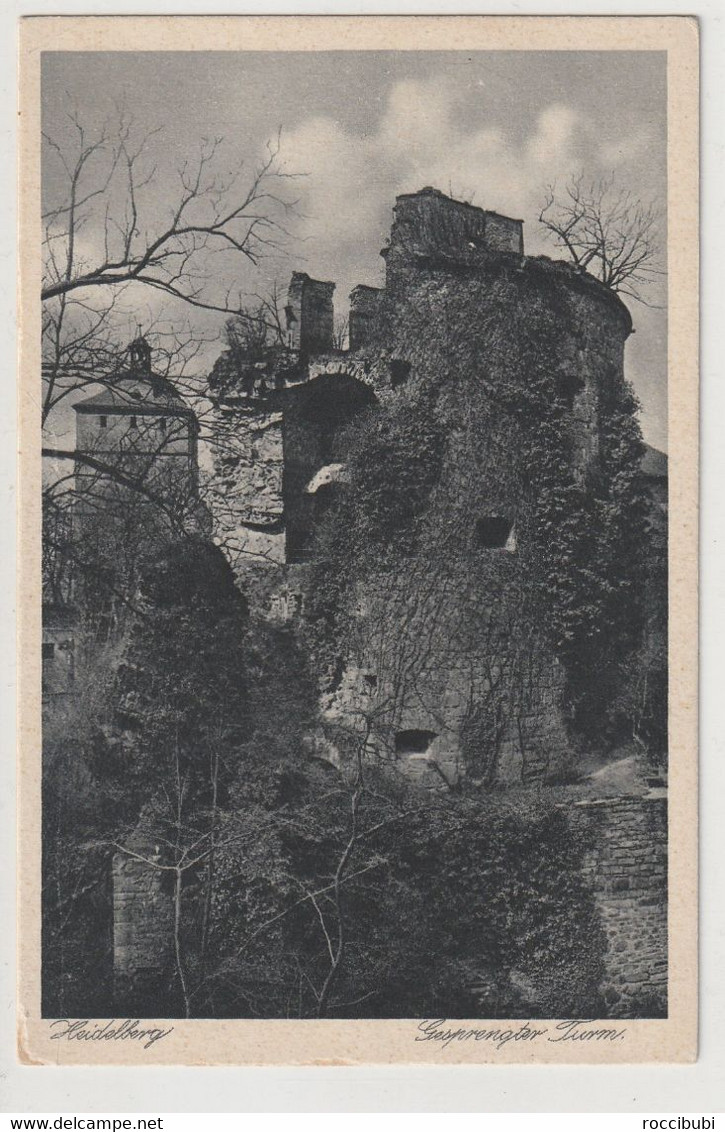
(142, 935)
(626, 864)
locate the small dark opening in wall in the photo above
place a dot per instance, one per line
(569, 386)
(104, 627)
(399, 372)
(493, 532)
(134, 423)
(413, 742)
(370, 680)
(48, 650)
(103, 421)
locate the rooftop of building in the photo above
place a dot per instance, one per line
(136, 388)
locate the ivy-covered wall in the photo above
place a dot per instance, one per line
(469, 598)
(505, 410)
(532, 910)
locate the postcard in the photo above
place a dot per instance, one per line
(358, 647)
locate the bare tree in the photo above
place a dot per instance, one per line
(341, 333)
(607, 231)
(102, 176)
(256, 327)
(107, 241)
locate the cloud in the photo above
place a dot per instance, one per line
(552, 143)
(421, 139)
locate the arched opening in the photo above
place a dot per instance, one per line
(323, 408)
(316, 417)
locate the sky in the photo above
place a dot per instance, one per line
(357, 128)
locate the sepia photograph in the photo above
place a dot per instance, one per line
(353, 378)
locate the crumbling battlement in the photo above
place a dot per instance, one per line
(451, 269)
(432, 230)
(429, 222)
(309, 314)
(364, 310)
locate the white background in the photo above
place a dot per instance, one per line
(550, 1089)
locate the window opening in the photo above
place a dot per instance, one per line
(414, 742)
(103, 421)
(493, 532)
(569, 386)
(399, 372)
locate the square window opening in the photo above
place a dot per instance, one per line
(570, 386)
(493, 532)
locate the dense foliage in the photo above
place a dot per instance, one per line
(442, 906)
(150, 743)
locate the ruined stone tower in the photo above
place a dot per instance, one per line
(463, 320)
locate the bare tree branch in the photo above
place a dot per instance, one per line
(606, 231)
(103, 181)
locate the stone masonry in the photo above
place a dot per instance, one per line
(142, 929)
(626, 866)
(453, 271)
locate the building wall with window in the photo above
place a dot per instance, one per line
(136, 432)
(136, 478)
(58, 653)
